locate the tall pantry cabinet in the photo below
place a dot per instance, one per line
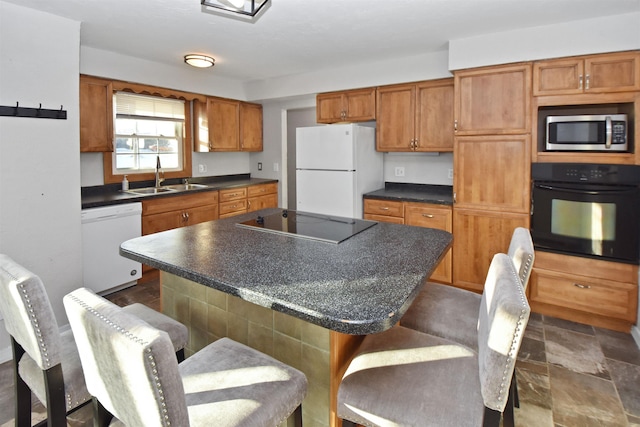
(492, 157)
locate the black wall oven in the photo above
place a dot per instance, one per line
(590, 210)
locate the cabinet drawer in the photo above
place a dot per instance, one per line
(233, 206)
(431, 216)
(384, 218)
(586, 294)
(262, 202)
(383, 207)
(233, 194)
(262, 189)
(173, 203)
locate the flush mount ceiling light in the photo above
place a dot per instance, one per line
(243, 7)
(200, 61)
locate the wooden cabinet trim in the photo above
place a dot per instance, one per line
(178, 202)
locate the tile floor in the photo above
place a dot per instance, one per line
(569, 374)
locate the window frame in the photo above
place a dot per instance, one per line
(187, 140)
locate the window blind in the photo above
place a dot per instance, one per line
(129, 105)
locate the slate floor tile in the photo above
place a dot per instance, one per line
(576, 351)
(627, 380)
(618, 346)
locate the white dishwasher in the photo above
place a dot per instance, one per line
(103, 230)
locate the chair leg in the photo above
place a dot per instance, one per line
(491, 417)
(508, 419)
(347, 423)
(297, 416)
(101, 417)
(56, 406)
(23, 393)
(180, 355)
(514, 385)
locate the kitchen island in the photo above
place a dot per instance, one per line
(305, 302)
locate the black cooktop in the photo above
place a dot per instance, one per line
(332, 229)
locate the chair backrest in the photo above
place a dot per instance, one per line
(129, 366)
(503, 317)
(522, 253)
(28, 315)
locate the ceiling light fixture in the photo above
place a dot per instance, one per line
(243, 7)
(199, 61)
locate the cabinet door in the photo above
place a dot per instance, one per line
(558, 77)
(201, 214)
(434, 116)
(360, 105)
(493, 100)
(479, 235)
(395, 118)
(224, 124)
(162, 222)
(618, 72)
(330, 107)
(250, 127)
(432, 216)
(96, 115)
(201, 142)
(262, 202)
(492, 173)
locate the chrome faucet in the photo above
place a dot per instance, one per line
(158, 171)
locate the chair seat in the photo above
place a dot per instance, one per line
(405, 376)
(230, 384)
(447, 312)
(178, 333)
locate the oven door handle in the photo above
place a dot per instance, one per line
(575, 191)
(609, 132)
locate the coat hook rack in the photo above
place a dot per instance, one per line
(37, 113)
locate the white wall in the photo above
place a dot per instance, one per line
(419, 168)
(607, 34)
(39, 158)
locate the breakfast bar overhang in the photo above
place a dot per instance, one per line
(303, 301)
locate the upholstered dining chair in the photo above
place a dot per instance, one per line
(409, 378)
(451, 312)
(130, 372)
(45, 360)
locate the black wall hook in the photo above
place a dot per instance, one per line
(39, 113)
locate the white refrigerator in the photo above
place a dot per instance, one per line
(335, 166)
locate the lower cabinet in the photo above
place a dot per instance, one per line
(167, 213)
(585, 290)
(420, 215)
(235, 201)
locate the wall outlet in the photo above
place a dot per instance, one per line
(202, 168)
(450, 173)
(259, 166)
(399, 171)
(276, 167)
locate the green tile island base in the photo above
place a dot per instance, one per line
(320, 353)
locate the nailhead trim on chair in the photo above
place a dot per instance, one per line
(34, 322)
(528, 266)
(156, 380)
(506, 382)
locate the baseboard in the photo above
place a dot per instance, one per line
(635, 333)
(5, 354)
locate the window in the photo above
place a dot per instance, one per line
(148, 128)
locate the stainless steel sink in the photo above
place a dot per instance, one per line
(150, 190)
(185, 187)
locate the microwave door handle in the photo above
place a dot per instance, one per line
(609, 132)
(589, 192)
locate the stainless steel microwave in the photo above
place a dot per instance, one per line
(604, 132)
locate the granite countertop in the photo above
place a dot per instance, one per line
(422, 193)
(112, 194)
(361, 286)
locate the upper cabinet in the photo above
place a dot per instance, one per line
(616, 72)
(493, 100)
(415, 117)
(227, 125)
(357, 105)
(96, 115)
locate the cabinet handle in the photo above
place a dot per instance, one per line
(248, 203)
(455, 126)
(454, 197)
(586, 85)
(581, 286)
(384, 208)
(580, 82)
(427, 215)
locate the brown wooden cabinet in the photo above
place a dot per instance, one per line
(616, 72)
(417, 214)
(166, 213)
(227, 125)
(358, 105)
(432, 216)
(585, 290)
(262, 196)
(415, 117)
(96, 114)
(233, 201)
(493, 100)
(491, 161)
